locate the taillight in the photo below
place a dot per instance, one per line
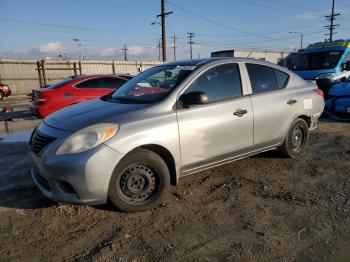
(319, 92)
(38, 98)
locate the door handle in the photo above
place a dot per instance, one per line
(240, 112)
(68, 94)
(292, 101)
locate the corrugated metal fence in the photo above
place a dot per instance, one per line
(23, 75)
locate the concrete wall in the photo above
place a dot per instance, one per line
(22, 75)
(270, 56)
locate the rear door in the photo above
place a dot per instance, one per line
(274, 101)
(215, 131)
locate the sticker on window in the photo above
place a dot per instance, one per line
(186, 67)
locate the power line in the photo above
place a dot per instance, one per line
(223, 25)
(72, 27)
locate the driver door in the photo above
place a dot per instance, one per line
(214, 132)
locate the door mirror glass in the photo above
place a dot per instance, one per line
(193, 98)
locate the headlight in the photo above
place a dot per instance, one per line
(87, 138)
(326, 75)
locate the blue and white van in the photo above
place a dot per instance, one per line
(326, 62)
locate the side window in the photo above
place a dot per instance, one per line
(264, 78)
(219, 82)
(91, 83)
(111, 82)
(281, 78)
(347, 57)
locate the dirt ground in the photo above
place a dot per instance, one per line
(263, 208)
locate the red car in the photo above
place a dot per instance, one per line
(5, 91)
(74, 90)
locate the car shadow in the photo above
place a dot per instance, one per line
(25, 198)
(17, 189)
(269, 154)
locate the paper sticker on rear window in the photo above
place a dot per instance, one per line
(186, 67)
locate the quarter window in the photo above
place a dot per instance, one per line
(220, 82)
(264, 78)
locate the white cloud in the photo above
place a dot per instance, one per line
(136, 50)
(110, 51)
(52, 47)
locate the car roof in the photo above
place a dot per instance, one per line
(204, 61)
(100, 75)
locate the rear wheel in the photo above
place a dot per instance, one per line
(296, 139)
(139, 182)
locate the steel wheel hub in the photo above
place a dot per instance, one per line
(138, 183)
(297, 138)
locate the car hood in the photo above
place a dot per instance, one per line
(79, 116)
(341, 89)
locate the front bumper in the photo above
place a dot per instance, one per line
(81, 178)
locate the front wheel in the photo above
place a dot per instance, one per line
(296, 139)
(139, 182)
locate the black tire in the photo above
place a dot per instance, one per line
(139, 182)
(1, 95)
(296, 139)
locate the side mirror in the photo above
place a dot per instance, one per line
(193, 98)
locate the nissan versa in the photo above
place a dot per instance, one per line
(171, 121)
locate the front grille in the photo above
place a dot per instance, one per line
(39, 141)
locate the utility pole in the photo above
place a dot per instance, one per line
(331, 18)
(163, 15)
(301, 38)
(81, 48)
(174, 46)
(190, 37)
(125, 53)
(159, 48)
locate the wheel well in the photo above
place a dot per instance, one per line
(167, 157)
(307, 119)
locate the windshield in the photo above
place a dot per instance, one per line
(152, 85)
(318, 60)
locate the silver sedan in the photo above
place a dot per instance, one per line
(168, 122)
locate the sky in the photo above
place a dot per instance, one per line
(36, 29)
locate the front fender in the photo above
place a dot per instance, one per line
(160, 130)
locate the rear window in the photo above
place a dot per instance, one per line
(60, 84)
(91, 83)
(265, 79)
